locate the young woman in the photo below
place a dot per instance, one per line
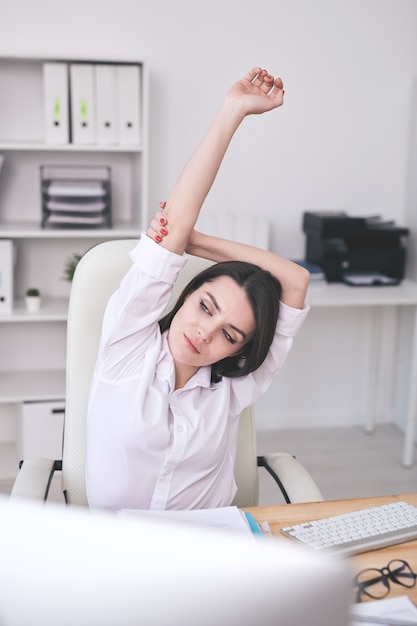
(166, 396)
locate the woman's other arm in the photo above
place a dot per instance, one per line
(294, 279)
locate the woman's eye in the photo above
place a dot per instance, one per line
(204, 307)
(228, 337)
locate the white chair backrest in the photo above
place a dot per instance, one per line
(97, 276)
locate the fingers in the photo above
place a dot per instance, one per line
(161, 217)
(262, 79)
(277, 91)
(253, 74)
(278, 84)
(157, 229)
(267, 83)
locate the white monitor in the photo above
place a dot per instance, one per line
(70, 567)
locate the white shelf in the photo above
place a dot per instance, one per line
(324, 294)
(33, 230)
(52, 310)
(32, 385)
(68, 147)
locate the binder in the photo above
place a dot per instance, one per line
(55, 103)
(6, 276)
(129, 104)
(83, 118)
(105, 82)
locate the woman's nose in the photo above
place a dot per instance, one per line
(204, 334)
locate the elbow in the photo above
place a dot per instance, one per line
(294, 294)
(303, 282)
(304, 279)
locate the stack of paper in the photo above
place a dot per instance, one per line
(365, 279)
(75, 202)
(228, 518)
(388, 612)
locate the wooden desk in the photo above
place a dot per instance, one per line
(286, 514)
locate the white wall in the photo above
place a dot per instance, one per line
(346, 138)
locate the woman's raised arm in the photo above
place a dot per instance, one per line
(256, 93)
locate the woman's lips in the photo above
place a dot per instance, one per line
(191, 345)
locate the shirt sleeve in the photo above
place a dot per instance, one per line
(130, 321)
(247, 389)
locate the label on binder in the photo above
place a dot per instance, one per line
(55, 94)
(83, 108)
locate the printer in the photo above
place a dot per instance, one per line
(346, 246)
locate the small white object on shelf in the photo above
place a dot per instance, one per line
(33, 300)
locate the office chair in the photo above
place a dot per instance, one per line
(97, 276)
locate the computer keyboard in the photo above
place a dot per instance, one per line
(360, 531)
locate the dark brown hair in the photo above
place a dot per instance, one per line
(263, 291)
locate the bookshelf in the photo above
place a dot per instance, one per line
(33, 346)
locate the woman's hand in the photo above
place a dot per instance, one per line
(258, 92)
(157, 229)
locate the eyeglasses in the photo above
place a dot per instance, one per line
(375, 583)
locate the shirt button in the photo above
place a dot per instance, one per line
(180, 429)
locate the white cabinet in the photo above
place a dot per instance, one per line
(39, 432)
(32, 346)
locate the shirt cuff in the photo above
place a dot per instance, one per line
(290, 319)
(157, 261)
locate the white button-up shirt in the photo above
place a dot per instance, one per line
(150, 446)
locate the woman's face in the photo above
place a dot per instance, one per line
(214, 322)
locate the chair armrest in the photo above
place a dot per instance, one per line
(293, 479)
(34, 479)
